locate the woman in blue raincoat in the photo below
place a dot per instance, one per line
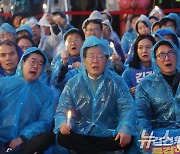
(140, 66)
(158, 97)
(26, 107)
(101, 105)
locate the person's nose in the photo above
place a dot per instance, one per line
(95, 59)
(7, 57)
(166, 57)
(35, 65)
(5, 38)
(144, 50)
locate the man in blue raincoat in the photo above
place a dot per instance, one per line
(26, 107)
(10, 54)
(158, 97)
(101, 105)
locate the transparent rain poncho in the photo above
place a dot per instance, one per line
(104, 113)
(157, 106)
(166, 31)
(26, 108)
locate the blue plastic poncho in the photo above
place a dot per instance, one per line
(103, 113)
(157, 106)
(174, 17)
(26, 108)
(25, 27)
(5, 27)
(166, 31)
(127, 40)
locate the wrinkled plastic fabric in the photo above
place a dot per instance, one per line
(20, 6)
(26, 108)
(25, 27)
(174, 17)
(157, 107)
(6, 27)
(166, 31)
(105, 113)
(56, 66)
(47, 43)
(127, 39)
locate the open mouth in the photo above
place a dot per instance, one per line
(9, 64)
(145, 56)
(95, 67)
(73, 48)
(168, 65)
(32, 72)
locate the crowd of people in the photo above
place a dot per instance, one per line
(88, 91)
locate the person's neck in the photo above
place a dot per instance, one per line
(146, 64)
(36, 40)
(10, 72)
(65, 25)
(94, 78)
(74, 56)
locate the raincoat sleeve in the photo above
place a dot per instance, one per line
(126, 110)
(130, 54)
(49, 43)
(53, 40)
(143, 108)
(56, 65)
(121, 69)
(65, 103)
(71, 73)
(125, 42)
(127, 76)
(44, 121)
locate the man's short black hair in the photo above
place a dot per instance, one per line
(37, 52)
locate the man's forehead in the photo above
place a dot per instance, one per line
(4, 33)
(6, 51)
(36, 56)
(93, 24)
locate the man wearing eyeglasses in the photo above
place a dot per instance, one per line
(26, 107)
(93, 27)
(68, 60)
(101, 105)
(158, 95)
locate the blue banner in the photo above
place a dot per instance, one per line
(139, 74)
